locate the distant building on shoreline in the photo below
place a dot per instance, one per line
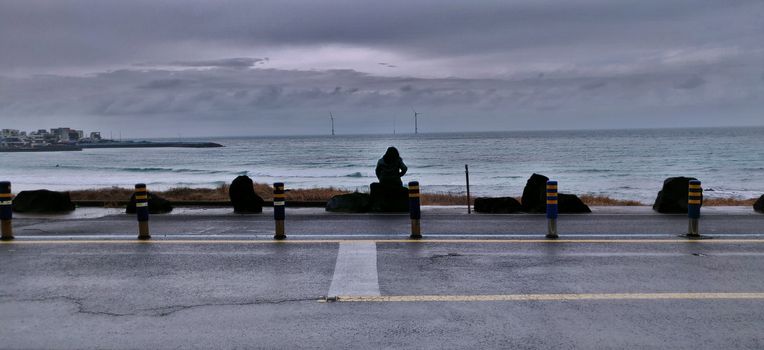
(13, 138)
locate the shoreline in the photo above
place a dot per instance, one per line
(115, 196)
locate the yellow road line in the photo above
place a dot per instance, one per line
(552, 297)
(383, 241)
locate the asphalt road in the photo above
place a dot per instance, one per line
(81, 284)
(311, 221)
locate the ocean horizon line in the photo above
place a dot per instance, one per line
(436, 133)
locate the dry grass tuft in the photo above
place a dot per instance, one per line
(314, 194)
(115, 194)
(593, 200)
(444, 199)
(196, 194)
(300, 194)
(264, 191)
(118, 194)
(112, 194)
(719, 202)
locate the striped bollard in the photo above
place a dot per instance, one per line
(694, 200)
(6, 210)
(279, 213)
(551, 209)
(415, 211)
(142, 210)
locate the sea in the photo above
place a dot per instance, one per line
(621, 164)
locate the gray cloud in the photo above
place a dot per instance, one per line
(163, 84)
(691, 82)
(593, 85)
(505, 64)
(194, 97)
(238, 62)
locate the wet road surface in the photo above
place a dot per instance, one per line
(488, 282)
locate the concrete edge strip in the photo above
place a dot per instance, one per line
(550, 297)
(22, 241)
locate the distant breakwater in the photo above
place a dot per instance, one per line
(58, 148)
(148, 144)
(132, 144)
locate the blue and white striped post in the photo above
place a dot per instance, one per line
(6, 210)
(279, 212)
(142, 210)
(551, 209)
(694, 201)
(415, 211)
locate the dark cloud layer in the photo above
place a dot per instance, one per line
(234, 66)
(97, 31)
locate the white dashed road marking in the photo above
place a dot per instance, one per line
(356, 270)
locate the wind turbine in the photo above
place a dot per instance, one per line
(331, 116)
(416, 124)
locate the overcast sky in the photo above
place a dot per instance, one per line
(210, 68)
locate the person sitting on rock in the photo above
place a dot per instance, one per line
(390, 168)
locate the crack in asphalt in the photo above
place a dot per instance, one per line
(76, 301)
(440, 256)
(152, 312)
(169, 310)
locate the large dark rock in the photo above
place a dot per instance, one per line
(534, 198)
(42, 201)
(349, 203)
(243, 196)
(759, 205)
(498, 205)
(570, 204)
(534, 194)
(672, 198)
(388, 198)
(157, 205)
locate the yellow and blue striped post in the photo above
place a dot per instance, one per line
(415, 211)
(551, 209)
(279, 212)
(694, 201)
(142, 210)
(6, 210)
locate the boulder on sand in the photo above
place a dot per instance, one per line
(672, 198)
(534, 194)
(759, 205)
(497, 205)
(157, 204)
(243, 196)
(570, 204)
(388, 198)
(42, 201)
(349, 203)
(534, 198)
